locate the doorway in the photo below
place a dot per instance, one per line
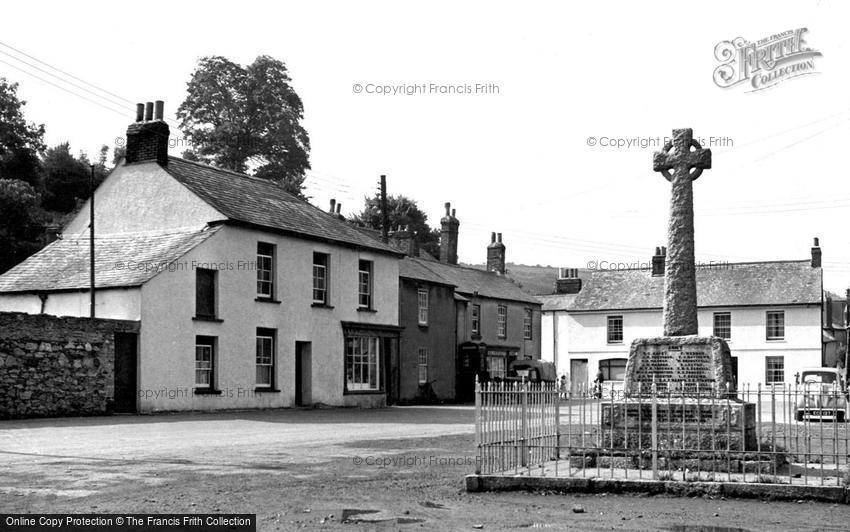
(578, 374)
(303, 373)
(126, 384)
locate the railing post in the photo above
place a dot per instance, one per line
(478, 425)
(523, 448)
(654, 431)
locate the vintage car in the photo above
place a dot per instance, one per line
(532, 371)
(821, 395)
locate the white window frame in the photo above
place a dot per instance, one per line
(363, 364)
(767, 325)
(771, 372)
(422, 306)
(321, 279)
(265, 360)
(365, 284)
(476, 319)
(422, 359)
(502, 321)
(609, 329)
(265, 272)
(714, 327)
(205, 365)
(527, 324)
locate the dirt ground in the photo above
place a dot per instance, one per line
(395, 469)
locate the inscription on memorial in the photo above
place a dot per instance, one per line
(662, 364)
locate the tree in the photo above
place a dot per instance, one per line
(243, 118)
(20, 142)
(66, 178)
(21, 226)
(403, 211)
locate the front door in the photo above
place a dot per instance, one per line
(303, 373)
(125, 372)
(578, 374)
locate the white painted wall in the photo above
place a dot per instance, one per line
(142, 197)
(168, 331)
(115, 303)
(584, 336)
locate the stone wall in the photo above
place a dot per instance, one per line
(57, 366)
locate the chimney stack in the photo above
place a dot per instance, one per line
(816, 254)
(147, 137)
(658, 261)
(339, 211)
(404, 240)
(449, 236)
(333, 206)
(568, 281)
(496, 254)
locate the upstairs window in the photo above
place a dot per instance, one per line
(723, 325)
(476, 319)
(526, 324)
(205, 284)
(423, 306)
(502, 321)
(364, 285)
(615, 329)
(321, 276)
(265, 270)
(776, 325)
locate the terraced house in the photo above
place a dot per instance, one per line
(461, 322)
(246, 296)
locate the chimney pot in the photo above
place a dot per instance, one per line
(658, 261)
(499, 237)
(817, 241)
(454, 211)
(159, 108)
(333, 205)
(448, 207)
(147, 139)
(339, 207)
(493, 238)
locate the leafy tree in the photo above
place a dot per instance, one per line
(20, 142)
(403, 211)
(243, 118)
(66, 178)
(21, 225)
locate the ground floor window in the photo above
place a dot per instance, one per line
(613, 369)
(497, 366)
(265, 358)
(774, 370)
(363, 363)
(423, 365)
(205, 362)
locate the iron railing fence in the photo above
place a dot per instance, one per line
(793, 434)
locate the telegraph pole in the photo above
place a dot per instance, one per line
(91, 242)
(385, 217)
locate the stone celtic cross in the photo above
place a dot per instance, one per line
(681, 162)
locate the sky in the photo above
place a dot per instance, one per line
(504, 101)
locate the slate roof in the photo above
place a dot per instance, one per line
(123, 260)
(263, 203)
(557, 301)
(411, 268)
(471, 280)
(733, 284)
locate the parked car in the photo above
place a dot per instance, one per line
(538, 371)
(822, 395)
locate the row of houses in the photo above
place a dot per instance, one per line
(248, 297)
(774, 315)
